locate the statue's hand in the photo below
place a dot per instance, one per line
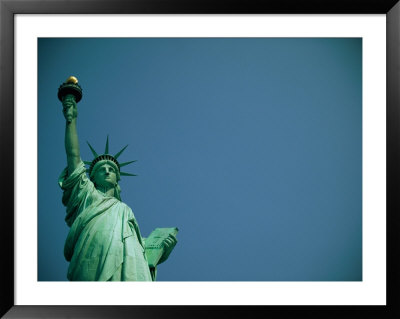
(70, 109)
(169, 244)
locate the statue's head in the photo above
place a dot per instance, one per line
(105, 170)
(105, 174)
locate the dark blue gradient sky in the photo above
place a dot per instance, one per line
(252, 147)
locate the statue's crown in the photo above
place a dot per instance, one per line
(107, 157)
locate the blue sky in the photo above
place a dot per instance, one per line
(252, 147)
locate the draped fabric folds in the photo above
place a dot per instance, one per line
(104, 242)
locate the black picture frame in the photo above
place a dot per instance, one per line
(8, 10)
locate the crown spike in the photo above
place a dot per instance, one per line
(87, 162)
(92, 149)
(120, 152)
(126, 163)
(126, 174)
(106, 150)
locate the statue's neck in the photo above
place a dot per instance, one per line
(108, 191)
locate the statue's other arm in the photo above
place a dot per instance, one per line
(70, 112)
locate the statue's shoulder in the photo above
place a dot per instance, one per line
(123, 205)
(127, 209)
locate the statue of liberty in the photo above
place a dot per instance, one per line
(104, 242)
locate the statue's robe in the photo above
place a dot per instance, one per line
(104, 242)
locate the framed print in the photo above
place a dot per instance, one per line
(261, 132)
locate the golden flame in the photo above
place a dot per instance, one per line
(72, 80)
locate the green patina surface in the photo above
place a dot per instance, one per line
(104, 242)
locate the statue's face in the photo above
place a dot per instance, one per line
(106, 176)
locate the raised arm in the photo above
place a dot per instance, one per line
(70, 112)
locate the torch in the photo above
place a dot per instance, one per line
(70, 89)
